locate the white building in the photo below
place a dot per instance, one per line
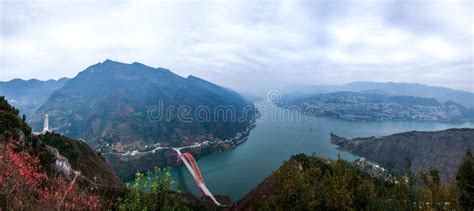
(45, 126)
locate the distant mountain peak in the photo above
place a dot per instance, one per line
(138, 64)
(112, 62)
(109, 61)
(192, 77)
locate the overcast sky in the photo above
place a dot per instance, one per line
(250, 47)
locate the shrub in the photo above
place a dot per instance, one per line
(64, 195)
(23, 185)
(20, 178)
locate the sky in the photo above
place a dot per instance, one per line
(250, 46)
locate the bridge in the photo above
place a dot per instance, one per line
(193, 168)
(187, 159)
(190, 164)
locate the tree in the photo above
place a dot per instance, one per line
(465, 181)
(153, 191)
(310, 183)
(433, 194)
(408, 185)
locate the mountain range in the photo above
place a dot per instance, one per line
(441, 94)
(29, 95)
(112, 106)
(35, 168)
(372, 105)
(108, 106)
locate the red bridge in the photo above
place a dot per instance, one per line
(193, 168)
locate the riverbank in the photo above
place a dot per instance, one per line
(126, 164)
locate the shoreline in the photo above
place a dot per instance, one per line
(126, 164)
(239, 138)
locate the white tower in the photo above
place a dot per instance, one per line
(46, 124)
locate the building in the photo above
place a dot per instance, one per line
(45, 126)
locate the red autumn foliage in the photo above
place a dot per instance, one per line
(19, 164)
(23, 185)
(74, 199)
(20, 177)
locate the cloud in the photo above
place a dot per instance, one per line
(250, 46)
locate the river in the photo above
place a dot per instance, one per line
(278, 135)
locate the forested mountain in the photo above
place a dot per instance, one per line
(314, 183)
(122, 107)
(36, 170)
(441, 149)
